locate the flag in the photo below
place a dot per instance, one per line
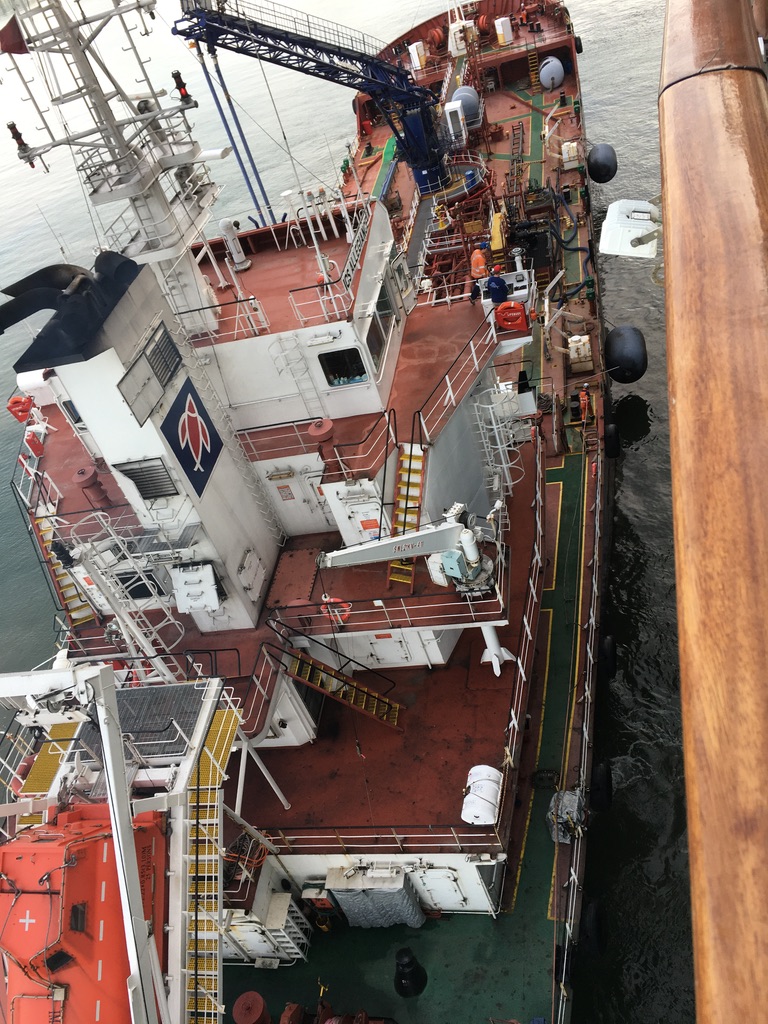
(11, 39)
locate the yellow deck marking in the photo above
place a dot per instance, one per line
(548, 613)
(574, 680)
(559, 485)
(579, 609)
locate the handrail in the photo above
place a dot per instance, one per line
(571, 893)
(713, 114)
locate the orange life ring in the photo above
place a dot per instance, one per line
(510, 316)
(20, 407)
(335, 609)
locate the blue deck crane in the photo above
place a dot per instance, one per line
(289, 38)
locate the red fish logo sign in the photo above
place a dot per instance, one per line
(192, 437)
(193, 434)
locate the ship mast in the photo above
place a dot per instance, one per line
(714, 126)
(135, 158)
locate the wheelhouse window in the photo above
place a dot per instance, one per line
(343, 367)
(385, 315)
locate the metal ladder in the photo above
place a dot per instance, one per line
(106, 554)
(76, 606)
(287, 355)
(533, 69)
(203, 911)
(502, 458)
(407, 510)
(307, 670)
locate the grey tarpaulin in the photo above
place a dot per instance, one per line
(376, 899)
(565, 814)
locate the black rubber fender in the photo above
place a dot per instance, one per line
(607, 657)
(578, 44)
(592, 931)
(612, 441)
(601, 787)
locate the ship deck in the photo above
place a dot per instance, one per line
(477, 970)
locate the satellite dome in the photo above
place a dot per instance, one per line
(551, 73)
(470, 101)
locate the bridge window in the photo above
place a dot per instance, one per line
(343, 367)
(382, 323)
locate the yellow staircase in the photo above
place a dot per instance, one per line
(533, 70)
(46, 765)
(203, 911)
(407, 510)
(77, 609)
(341, 688)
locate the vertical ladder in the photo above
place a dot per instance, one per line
(533, 69)
(203, 913)
(495, 427)
(407, 510)
(287, 354)
(288, 929)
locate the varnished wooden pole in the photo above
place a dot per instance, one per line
(760, 14)
(713, 113)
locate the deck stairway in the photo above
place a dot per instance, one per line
(407, 510)
(533, 70)
(77, 608)
(517, 163)
(305, 669)
(202, 915)
(46, 764)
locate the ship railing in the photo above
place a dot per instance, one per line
(288, 19)
(352, 840)
(458, 160)
(327, 302)
(575, 870)
(256, 701)
(90, 526)
(390, 613)
(360, 459)
(16, 745)
(279, 441)
(456, 382)
(33, 485)
(411, 221)
(237, 319)
(121, 233)
(529, 623)
(447, 81)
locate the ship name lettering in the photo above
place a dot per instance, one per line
(413, 545)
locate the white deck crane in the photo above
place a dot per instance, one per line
(454, 542)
